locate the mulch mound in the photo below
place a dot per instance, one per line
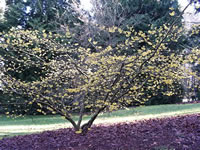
(177, 133)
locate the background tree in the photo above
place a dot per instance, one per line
(143, 15)
(51, 15)
(194, 38)
(14, 14)
(140, 15)
(39, 14)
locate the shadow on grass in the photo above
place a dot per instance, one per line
(32, 124)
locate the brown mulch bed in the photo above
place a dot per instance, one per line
(177, 133)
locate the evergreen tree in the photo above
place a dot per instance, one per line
(39, 14)
(137, 13)
(142, 15)
(50, 14)
(14, 15)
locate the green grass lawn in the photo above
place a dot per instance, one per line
(31, 124)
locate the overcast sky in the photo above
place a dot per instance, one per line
(190, 17)
(2, 4)
(86, 4)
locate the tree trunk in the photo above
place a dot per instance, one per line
(85, 127)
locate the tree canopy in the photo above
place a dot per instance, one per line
(68, 77)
